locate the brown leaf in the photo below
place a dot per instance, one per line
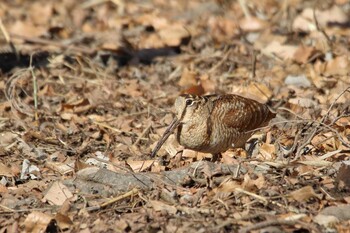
(139, 166)
(303, 54)
(173, 34)
(252, 24)
(343, 175)
(257, 91)
(195, 90)
(162, 207)
(305, 21)
(57, 194)
(338, 66)
(285, 52)
(27, 29)
(267, 151)
(76, 106)
(304, 194)
(223, 28)
(188, 78)
(63, 221)
(5, 171)
(37, 222)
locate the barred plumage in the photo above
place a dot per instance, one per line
(214, 123)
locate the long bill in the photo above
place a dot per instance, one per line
(165, 136)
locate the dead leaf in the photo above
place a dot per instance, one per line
(227, 186)
(27, 29)
(250, 184)
(343, 175)
(62, 168)
(195, 90)
(162, 207)
(172, 35)
(257, 91)
(305, 21)
(223, 28)
(7, 138)
(275, 48)
(139, 166)
(252, 24)
(188, 78)
(303, 54)
(338, 66)
(76, 106)
(267, 151)
(304, 194)
(63, 221)
(5, 171)
(37, 222)
(57, 194)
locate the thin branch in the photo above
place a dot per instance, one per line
(244, 7)
(329, 41)
(268, 223)
(35, 88)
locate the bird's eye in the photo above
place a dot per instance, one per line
(189, 102)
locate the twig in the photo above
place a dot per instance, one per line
(214, 68)
(244, 7)
(42, 41)
(336, 99)
(7, 208)
(11, 94)
(318, 124)
(337, 134)
(263, 199)
(35, 88)
(295, 144)
(144, 132)
(329, 41)
(260, 225)
(117, 130)
(235, 176)
(132, 192)
(11, 211)
(307, 142)
(253, 64)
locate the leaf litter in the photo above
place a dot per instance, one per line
(87, 90)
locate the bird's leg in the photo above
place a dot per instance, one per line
(216, 157)
(251, 146)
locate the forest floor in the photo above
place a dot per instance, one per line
(87, 89)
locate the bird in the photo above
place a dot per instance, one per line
(215, 123)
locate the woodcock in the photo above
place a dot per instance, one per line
(215, 123)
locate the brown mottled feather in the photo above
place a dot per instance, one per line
(216, 122)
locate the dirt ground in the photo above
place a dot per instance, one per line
(87, 89)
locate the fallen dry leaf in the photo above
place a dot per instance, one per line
(57, 194)
(304, 194)
(37, 222)
(162, 207)
(275, 48)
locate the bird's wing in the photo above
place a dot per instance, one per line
(242, 113)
